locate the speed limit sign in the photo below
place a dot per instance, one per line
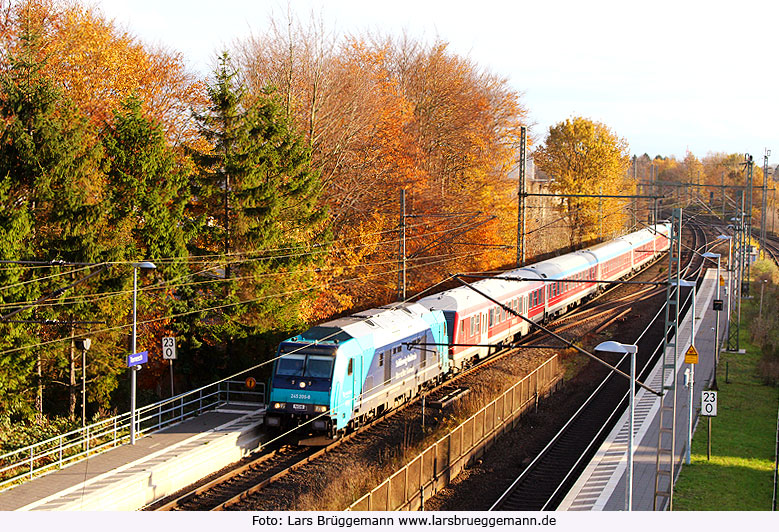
(169, 347)
(708, 403)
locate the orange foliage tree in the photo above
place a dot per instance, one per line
(99, 65)
(384, 115)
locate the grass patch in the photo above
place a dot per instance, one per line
(739, 475)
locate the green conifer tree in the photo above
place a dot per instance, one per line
(49, 160)
(258, 194)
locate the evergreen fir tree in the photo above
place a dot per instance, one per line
(49, 160)
(257, 191)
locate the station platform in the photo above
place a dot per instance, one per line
(602, 485)
(129, 477)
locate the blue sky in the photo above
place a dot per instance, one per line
(666, 75)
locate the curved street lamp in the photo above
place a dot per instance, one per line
(617, 347)
(710, 255)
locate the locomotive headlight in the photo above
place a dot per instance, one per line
(279, 406)
(302, 384)
(320, 409)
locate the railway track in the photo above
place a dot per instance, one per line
(772, 248)
(546, 480)
(222, 491)
(233, 487)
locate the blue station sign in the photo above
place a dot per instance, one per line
(136, 359)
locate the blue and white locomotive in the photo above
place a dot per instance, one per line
(340, 373)
(344, 371)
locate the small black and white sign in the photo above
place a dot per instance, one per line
(718, 304)
(709, 403)
(169, 347)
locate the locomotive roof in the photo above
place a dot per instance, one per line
(388, 319)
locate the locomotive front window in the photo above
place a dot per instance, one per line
(319, 366)
(290, 365)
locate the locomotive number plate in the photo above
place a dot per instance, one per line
(298, 407)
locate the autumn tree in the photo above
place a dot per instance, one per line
(98, 65)
(586, 157)
(466, 128)
(388, 114)
(355, 119)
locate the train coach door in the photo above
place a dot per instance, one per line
(483, 331)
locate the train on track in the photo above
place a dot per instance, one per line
(337, 375)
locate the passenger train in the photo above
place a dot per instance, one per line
(340, 373)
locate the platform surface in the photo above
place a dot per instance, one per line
(602, 485)
(64, 488)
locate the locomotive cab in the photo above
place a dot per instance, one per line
(300, 386)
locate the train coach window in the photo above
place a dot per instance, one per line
(350, 369)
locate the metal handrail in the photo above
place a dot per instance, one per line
(59, 451)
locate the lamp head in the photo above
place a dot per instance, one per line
(616, 347)
(84, 344)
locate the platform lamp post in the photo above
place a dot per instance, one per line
(616, 347)
(690, 284)
(84, 344)
(730, 264)
(710, 255)
(133, 369)
(729, 288)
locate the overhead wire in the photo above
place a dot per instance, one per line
(214, 258)
(233, 304)
(173, 282)
(53, 276)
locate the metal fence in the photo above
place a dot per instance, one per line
(433, 469)
(57, 452)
